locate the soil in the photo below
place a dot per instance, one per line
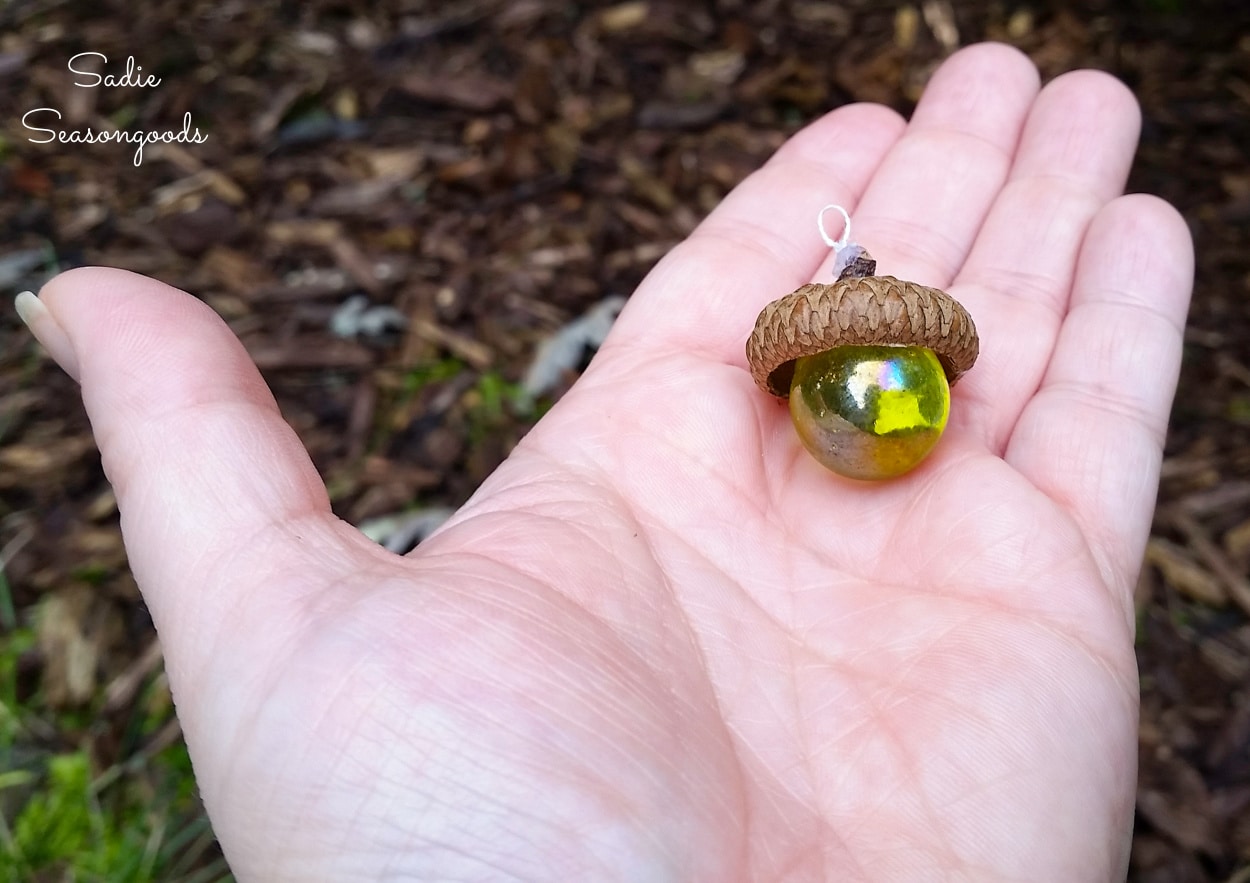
(493, 170)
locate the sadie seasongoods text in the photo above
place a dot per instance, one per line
(87, 79)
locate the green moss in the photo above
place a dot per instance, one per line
(91, 574)
(493, 403)
(12, 646)
(61, 818)
(423, 375)
(1239, 409)
(8, 612)
(57, 821)
(138, 828)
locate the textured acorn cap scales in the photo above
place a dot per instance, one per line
(858, 310)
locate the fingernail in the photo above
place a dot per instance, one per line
(48, 332)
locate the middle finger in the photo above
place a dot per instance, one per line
(1074, 157)
(921, 213)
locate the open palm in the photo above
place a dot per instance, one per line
(661, 642)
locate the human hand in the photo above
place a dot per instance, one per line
(661, 642)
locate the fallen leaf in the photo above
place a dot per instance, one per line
(73, 629)
(564, 349)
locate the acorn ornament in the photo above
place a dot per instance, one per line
(866, 361)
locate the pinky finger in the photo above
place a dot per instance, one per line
(1092, 436)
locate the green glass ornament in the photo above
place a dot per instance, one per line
(866, 361)
(870, 412)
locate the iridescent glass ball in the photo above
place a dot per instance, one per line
(870, 412)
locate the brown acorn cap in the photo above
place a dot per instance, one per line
(857, 310)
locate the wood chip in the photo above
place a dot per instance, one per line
(623, 17)
(1237, 544)
(1235, 583)
(1185, 823)
(476, 92)
(476, 353)
(906, 27)
(1183, 573)
(122, 690)
(301, 355)
(41, 461)
(1223, 497)
(939, 15)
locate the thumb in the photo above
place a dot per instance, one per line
(218, 498)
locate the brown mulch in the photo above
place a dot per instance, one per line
(493, 172)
